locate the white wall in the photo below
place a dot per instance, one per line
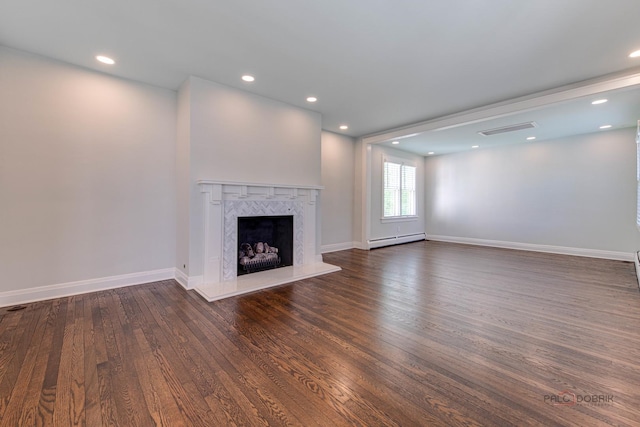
(577, 192)
(337, 197)
(379, 228)
(239, 136)
(86, 174)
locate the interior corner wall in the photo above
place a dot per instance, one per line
(182, 177)
(576, 192)
(86, 174)
(359, 189)
(338, 158)
(238, 136)
(379, 228)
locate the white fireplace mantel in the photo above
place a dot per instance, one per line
(223, 203)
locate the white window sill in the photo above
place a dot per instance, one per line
(385, 219)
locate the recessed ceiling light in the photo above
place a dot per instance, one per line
(599, 101)
(430, 153)
(395, 142)
(247, 78)
(344, 127)
(475, 146)
(312, 99)
(605, 126)
(105, 60)
(407, 136)
(531, 138)
(635, 54)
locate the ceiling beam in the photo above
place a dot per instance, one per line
(512, 106)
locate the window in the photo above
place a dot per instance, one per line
(399, 198)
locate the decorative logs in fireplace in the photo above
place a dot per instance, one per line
(265, 242)
(257, 257)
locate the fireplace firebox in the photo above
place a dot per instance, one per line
(265, 242)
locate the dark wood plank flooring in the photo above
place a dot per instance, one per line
(424, 334)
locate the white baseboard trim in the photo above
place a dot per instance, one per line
(337, 247)
(636, 261)
(395, 240)
(360, 245)
(24, 296)
(182, 278)
(562, 250)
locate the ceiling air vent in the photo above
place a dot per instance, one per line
(511, 128)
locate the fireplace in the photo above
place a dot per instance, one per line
(267, 207)
(265, 242)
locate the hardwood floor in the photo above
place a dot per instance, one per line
(423, 334)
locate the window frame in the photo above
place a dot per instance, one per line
(638, 176)
(402, 163)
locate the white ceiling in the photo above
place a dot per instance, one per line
(373, 64)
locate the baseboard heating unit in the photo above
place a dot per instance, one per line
(396, 240)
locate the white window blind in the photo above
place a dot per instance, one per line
(638, 206)
(391, 189)
(399, 198)
(408, 201)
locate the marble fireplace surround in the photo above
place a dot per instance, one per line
(223, 203)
